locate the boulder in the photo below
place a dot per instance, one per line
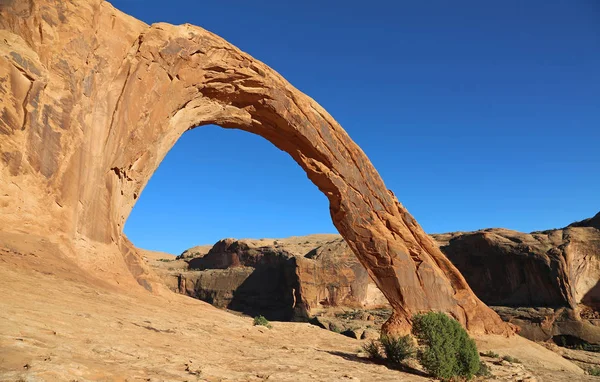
(370, 334)
(353, 333)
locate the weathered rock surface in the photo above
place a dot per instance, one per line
(547, 283)
(584, 359)
(57, 323)
(92, 100)
(197, 251)
(544, 282)
(282, 279)
(564, 326)
(553, 268)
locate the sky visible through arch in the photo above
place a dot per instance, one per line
(476, 114)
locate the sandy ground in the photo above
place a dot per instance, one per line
(58, 323)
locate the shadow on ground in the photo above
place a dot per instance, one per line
(355, 358)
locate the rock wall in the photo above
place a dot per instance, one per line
(92, 100)
(547, 283)
(282, 281)
(548, 271)
(553, 268)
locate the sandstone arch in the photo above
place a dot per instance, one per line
(93, 100)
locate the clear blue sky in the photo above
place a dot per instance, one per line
(476, 114)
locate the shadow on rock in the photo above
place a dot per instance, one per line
(355, 358)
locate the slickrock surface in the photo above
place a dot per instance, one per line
(92, 100)
(58, 323)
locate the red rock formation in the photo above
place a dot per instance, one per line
(282, 279)
(553, 268)
(93, 99)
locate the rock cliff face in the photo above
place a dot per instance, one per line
(553, 268)
(282, 279)
(547, 283)
(93, 99)
(550, 269)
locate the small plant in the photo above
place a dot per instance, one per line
(373, 350)
(484, 371)
(262, 321)
(398, 349)
(510, 359)
(447, 352)
(490, 354)
(590, 347)
(595, 371)
(334, 328)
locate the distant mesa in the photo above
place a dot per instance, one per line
(282, 279)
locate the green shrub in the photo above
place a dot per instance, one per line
(510, 359)
(595, 371)
(484, 371)
(373, 350)
(447, 349)
(397, 349)
(261, 321)
(491, 354)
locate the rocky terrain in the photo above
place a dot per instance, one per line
(544, 282)
(59, 322)
(91, 101)
(545, 277)
(282, 279)
(553, 268)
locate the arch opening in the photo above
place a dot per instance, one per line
(217, 183)
(125, 108)
(198, 79)
(251, 192)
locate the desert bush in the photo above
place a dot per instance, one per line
(334, 328)
(589, 347)
(373, 350)
(447, 351)
(571, 342)
(595, 371)
(510, 359)
(491, 354)
(397, 349)
(484, 370)
(262, 321)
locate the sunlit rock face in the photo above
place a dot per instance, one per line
(92, 100)
(547, 283)
(282, 279)
(553, 268)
